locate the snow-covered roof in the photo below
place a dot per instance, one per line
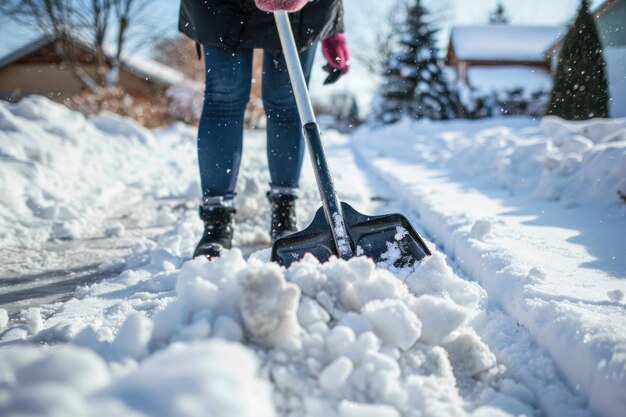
(504, 42)
(490, 79)
(141, 66)
(148, 68)
(17, 41)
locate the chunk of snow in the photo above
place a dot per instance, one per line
(537, 273)
(335, 375)
(481, 229)
(269, 304)
(393, 322)
(228, 329)
(4, 318)
(339, 340)
(469, 355)
(616, 296)
(73, 367)
(310, 311)
(353, 409)
(439, 317)
(133, 337)
(34, 321)
(201, 378)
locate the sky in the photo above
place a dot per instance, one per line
(364, 18)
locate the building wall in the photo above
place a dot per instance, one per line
(18, 80)
(615, 58)
(50, 80)
(611, 26)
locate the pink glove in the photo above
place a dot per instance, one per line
(274, 5)
(335, 49)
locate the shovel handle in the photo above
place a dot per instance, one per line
(298, 83)
(325, 184)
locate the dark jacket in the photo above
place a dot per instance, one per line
(239, 24)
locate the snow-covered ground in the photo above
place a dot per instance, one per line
(465, 335)
(531, 211)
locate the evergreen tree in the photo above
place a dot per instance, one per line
(499, 15)
(414, 81)
(580, 86)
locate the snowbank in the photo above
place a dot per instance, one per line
(572, 162)
(554, 269)
(60, 172)
(64, 176)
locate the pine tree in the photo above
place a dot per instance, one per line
(580, 87)
(414, 81)
(499, 15)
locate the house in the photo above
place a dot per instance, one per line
(490, 59)
(610, 20)
(37, 68)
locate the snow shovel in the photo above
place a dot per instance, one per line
(338, 229)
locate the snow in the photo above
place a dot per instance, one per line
(148, 68)
(61, 171)
(531, 212)
(183, 380)
(616, 296)
(336, 374)
(504, 42)
(406, 328)
(33, 320)
(170, 336)
(4, 318)
(445, 316)
(352, 409)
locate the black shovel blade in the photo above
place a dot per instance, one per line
(389, 238)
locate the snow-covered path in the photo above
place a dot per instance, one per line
(341, 339)
(51, 272)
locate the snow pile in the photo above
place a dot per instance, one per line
(334, 338)
(337, 339)
(587, 161)
(202, 378)
(572, 162)
(61, 172)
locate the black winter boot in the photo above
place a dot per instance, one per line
(283, 215)
(218, 231)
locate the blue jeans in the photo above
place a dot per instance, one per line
(220, 133)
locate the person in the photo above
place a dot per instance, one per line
(228, 31)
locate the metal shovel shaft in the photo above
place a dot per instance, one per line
(330, 202)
